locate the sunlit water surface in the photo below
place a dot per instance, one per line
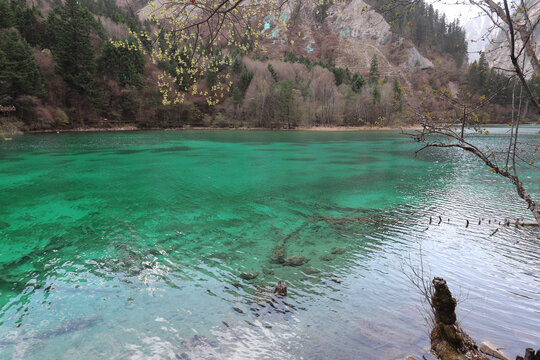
(131, 245)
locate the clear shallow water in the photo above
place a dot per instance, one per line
(130, 245)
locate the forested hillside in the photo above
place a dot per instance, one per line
(61, 67)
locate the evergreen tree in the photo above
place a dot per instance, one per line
(357, 82)
(376, 93)
(237, 95)
(478, 74)
(28, 23)
(285, 100)
(341, 75)
(71, 27)
(125, 63)
(19, 71)
(273, 73)
(245, 80)
(373, 71)
(6, 14)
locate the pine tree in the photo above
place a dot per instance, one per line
(26, 20)
(6, 15)
(374, 71)
(71, 27)
(376, 93)
(357, 82)
(19, 71)
(273, 73)
(478, 74)
(125, 63)
(245, 80)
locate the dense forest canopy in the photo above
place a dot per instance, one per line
(88, 63)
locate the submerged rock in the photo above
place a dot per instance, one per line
(327, 257)
(296, 260)
(310, 270)
(337, 251)
(3, 225)
(249, 275)
(237, 285)
(268, 271)
(201, 340)
(278, 254)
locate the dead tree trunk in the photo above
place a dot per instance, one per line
(448, 340)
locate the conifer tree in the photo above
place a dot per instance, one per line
(6, 15)
(71, 27)
(376, 94)
(373, 71)
(126, 64)
(357, 82)
(478, 74)
(19, 72)
(27, 21)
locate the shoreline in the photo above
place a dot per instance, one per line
(300, 128)
(312, 128)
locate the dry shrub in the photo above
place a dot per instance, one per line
(326, 96)
(418, 79)
(60, 117)
(44, 118)
(285, 71)
(329, 47)
(259, 69)
(114, 30)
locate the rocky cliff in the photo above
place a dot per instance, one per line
(348, 33)
(498, 52)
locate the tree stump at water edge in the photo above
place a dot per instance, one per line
(281, 288)
(529, 355)
(448, 340)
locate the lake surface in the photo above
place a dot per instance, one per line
(131, 245)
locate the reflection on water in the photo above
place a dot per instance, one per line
(163, 245)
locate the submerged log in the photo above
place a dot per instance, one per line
(489, 349)
(448, 340)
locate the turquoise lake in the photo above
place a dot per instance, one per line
(133, 245)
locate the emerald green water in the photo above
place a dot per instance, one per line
(131, 245)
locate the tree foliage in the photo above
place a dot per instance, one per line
(19, 72)
(70, 29)
(124, 63)
(373, 71)
(188, 36)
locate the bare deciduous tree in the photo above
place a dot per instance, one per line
(454, 130)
